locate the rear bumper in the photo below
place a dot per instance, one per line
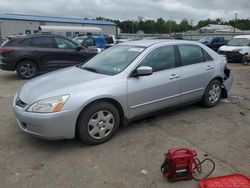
(228, 82)
(234, 57)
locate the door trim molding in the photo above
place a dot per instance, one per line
(154, 101)
(166, 98)
(192, 91)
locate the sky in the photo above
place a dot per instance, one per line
(130, 9)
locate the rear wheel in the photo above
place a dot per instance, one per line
(98, 123)
(27, 69)
(212, 94)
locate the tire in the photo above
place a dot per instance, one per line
(27, 69)
(245, 60)
(98, 123)
(212, 94)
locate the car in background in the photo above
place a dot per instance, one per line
(91, 41)
(119, 85)
(33, 54)
(110, 40)
(213, 42)
(128, 39)
(236, 50)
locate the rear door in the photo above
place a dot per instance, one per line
(159, 90)
(44, 51)
(197, 70)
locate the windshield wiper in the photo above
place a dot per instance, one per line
(90, 69)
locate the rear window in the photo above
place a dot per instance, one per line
(9, 42)
(42, 42)
(24, 42)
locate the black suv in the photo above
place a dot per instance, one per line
(34, 54)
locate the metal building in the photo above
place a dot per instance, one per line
(11, 24)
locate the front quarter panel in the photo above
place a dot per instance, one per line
(116, 91)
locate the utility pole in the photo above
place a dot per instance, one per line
(170, 24)
(235, 18)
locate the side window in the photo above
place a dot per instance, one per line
(25, 42)
(89, 42)
(190, 54)
(215, 40)
(221, 39)
(42, 42)
(160, 59)
(207, 57)
(64, 43)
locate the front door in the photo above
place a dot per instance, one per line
(68, 54)
(159, 90)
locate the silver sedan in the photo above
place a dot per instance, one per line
(123, 83)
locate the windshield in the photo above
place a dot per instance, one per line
(78, 40)
(109, 40)
(239, 42)
(113, 60)
(206, 39)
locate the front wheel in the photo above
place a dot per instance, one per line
(27, 69)
(245, 60)
(212, 94)
(98, 123)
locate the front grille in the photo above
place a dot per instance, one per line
(232, 56)
(222, 52)
(20, 103)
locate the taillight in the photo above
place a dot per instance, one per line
(5, 50)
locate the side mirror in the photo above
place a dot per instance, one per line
(144, 71)
(78, 48)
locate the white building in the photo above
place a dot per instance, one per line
(214, 28)
(11, 24)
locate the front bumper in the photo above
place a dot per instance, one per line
(234, 57)
(49, 126)
(6, 65)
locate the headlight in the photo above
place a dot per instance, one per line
(236, 50)
(53, 104)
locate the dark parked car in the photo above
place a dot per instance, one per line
(213, 42)
(34, 54)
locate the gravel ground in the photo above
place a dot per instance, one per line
(133, 157)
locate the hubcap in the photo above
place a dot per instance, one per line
(101, 124)
(27, 70)
(214, 93)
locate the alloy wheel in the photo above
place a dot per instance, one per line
(27, 70)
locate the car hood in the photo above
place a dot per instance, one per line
(65, 81)
(231, 48)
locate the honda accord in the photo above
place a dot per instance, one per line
(124, 82)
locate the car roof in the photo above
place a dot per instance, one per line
(90, 36)
(243, 36)
(35, 35)
(147, 43)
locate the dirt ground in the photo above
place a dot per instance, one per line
(133, 157)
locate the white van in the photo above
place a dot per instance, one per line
(237, 49)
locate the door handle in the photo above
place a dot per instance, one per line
(174, 76)
(209, 67)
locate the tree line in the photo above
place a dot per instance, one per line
(162, 26)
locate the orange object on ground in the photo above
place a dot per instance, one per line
(229, 181)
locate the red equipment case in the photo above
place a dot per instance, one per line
(229, 181)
